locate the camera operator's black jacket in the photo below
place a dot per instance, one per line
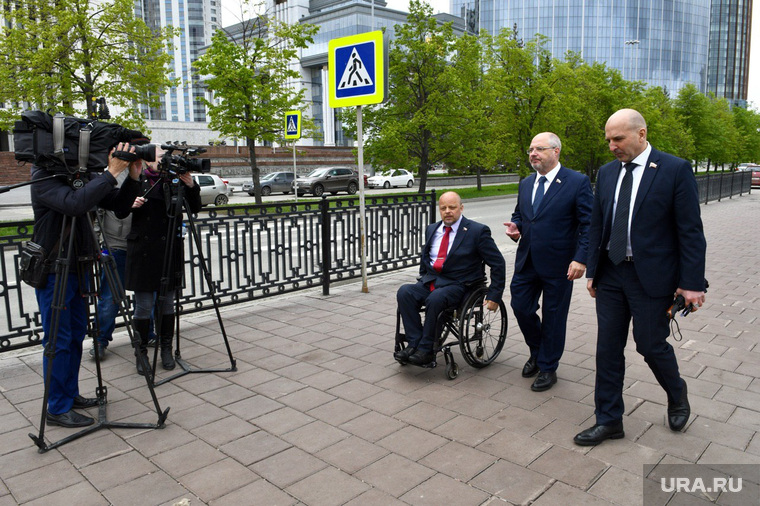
(147, 242)
(54, 198)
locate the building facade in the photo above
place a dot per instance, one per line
(336, 18)
(196, 20)
(664, 43)
(728, 64)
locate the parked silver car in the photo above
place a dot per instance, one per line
(213, 189)
(274, 182)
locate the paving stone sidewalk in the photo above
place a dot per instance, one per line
(318, 413)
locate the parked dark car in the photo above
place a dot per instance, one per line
(756, 178)
(275, 182)
(331, 179)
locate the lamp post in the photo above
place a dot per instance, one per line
(632, 43)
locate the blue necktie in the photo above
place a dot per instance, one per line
(619, 232)
(539, 194)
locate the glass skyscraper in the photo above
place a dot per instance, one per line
(662, 42)
(728, 66)
(197, 20)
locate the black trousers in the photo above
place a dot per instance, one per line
(410, 299)
(620, 298)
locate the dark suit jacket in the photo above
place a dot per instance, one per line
(473, 245)
(558, 233)
(666, 229)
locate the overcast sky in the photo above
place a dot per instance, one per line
(231, 10)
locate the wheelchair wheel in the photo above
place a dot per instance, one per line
(482, 333)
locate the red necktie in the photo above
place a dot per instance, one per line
(442, 251)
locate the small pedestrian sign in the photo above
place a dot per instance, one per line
(293, 125)
(357, 69)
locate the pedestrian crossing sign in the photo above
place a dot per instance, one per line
(357, 69)
(293, 125)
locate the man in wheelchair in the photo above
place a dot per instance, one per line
(454, 256)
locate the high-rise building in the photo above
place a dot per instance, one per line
(336, 18)
(728, 65)
(664, 43)
(197, 20)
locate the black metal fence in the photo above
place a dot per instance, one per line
(259, 251)
(724, 185)
(255, 251)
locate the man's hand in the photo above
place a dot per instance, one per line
(116, 165)
(690, 297)
(187, 179)
(491, 305)
(512, 231)
(576, 270)
(139, 201)
(590, 288)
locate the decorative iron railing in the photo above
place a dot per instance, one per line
(255, 251)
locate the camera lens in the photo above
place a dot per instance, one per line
(146, 152)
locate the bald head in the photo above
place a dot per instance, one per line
(626, 134)
(450, 206)
(629, 117)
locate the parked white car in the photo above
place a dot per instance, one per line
(213, 189)
(389, 178)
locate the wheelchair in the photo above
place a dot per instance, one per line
(480, 333)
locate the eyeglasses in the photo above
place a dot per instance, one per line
(539, 149)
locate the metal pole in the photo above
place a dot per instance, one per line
(362, 232)
(295, 174)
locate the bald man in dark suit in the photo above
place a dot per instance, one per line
(646, 245)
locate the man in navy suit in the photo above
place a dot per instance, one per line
(646, 245)
(551, 219)
(453, 256)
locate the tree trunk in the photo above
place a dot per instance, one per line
(254, 169)
(477, 173)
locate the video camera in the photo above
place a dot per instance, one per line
(66, 143)
(169, 163)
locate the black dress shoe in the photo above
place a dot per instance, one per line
(84, 402)
(598, 433)
(421, 358)
(101, 352)
(530, 368)
(544, 381)
(402, 356)
(69, 419)
(678, 412)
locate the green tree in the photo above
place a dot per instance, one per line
(62, 55)
(523, 80)
(414, 127)
(747, 124)
(250, 73)
(694, 110)
(587, 94)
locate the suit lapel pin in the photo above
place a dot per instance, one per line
(652, 165)
(559, 180)
(464, 228)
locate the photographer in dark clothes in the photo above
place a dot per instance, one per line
(53, 199)
(147, 249)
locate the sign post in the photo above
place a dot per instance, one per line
(358, 75)
(293, 131)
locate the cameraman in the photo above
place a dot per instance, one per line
(114, 230)
(53, 199)
(150, 233)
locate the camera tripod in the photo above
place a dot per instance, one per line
(176, 190)
(62, 272)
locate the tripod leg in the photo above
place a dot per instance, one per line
(210, 284)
